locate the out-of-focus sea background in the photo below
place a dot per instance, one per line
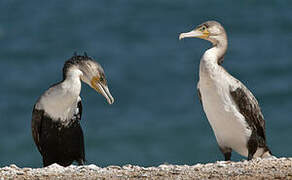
(157, 117)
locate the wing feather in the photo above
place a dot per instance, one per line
(250, 109)
(199, 93)
(36, 123)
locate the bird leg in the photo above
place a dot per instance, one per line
(80, 162)
(226, 152)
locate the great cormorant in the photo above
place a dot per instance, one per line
(57, 113)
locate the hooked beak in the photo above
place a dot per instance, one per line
(102, 89)
(195, 34)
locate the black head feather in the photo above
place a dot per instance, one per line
(74, 60)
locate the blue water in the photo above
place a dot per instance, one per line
(157, 116)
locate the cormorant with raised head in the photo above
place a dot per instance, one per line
(57, 113)
(232, 110)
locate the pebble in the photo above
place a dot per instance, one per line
(128, 167)
(19, 173)
(164, 167)
(13, 166)
(114, 167)
(93, 167)
(26, 169)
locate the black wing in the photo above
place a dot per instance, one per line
(199, 95)
(250, 109)
(36, 123)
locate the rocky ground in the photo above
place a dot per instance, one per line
(272, 168)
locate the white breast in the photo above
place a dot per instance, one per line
(60, 101)
(229, 126)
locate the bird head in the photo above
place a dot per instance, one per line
(210, 30)
(92, 74)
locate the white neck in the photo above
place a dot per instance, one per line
(212, 56)
(221, 46)
(72, 83)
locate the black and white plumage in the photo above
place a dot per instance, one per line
(57, 113)
(232, 110)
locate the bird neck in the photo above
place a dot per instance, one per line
(212, 58)
(72, 83)
(217, 52)
(220, 44)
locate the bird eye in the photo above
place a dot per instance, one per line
(101, 79)
(203, 28)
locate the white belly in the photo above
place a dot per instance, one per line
(229, 126)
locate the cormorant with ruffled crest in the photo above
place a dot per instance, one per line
(57, 113)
